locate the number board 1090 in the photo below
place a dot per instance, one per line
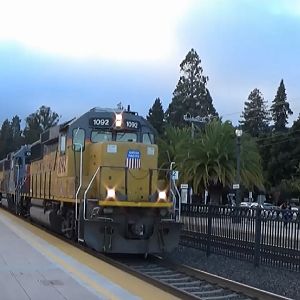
(100, 122)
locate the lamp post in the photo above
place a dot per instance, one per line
(238, 133)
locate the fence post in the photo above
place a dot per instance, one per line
(209, 223)
(257, 237)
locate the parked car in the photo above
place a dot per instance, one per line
(294, 209)
(269, 206)
(256, 205)
(246, 204)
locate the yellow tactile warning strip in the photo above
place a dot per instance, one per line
(128, 282)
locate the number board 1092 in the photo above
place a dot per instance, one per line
(100, 122)
(132, 124)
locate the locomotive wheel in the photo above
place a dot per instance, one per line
(68, 225)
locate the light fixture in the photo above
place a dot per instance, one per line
(119, 119)
(162, 195)
(111, 193)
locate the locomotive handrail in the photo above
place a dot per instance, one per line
(80, 182)
(174, 187)
(85, 193)
(20, 185)
(16, 190)
(179, 200)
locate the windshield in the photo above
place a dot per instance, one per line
(101, 136)
(126, 137)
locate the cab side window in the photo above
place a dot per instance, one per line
(62, 144)
(78, 139)
(148, 138)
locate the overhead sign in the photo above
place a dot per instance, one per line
(236, 186)
(175, 175)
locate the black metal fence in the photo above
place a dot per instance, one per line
(268, 237)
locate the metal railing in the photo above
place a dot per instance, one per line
(261, 236)
(85, 193)
(80, 182)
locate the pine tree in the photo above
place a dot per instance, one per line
(156, 116)
(255, 114)
(280, 109)
(191, 95)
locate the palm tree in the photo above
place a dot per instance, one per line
(174, 141)
(211, 163)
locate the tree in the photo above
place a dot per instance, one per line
(280, 153)
(18, 139)
(32, 129)
(10, 136)
(211, 163)
(174, 140)
(280, 109)
(46, 117)
(191, 95)
(156, 116)
(38, 122)
(6, 139)
(280, 163)
(255, 115)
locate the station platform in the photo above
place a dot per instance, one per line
(35, 265)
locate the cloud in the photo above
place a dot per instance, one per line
(114, 30)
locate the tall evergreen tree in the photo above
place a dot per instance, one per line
(191, 95)
(280, 109)
(255, 115)
(156, 116)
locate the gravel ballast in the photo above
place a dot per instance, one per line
(277, 281)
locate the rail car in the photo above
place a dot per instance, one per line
(95, 179)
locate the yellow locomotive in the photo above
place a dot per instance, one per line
(95, 179)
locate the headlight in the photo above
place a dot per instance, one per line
(111, 193)
(119, 120)
(162, 195)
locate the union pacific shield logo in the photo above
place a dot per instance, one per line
(133, 159)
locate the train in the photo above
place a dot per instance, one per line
(95, 179)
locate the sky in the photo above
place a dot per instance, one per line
(73, 55)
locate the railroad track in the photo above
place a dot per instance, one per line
(179, 280)
(188, 283)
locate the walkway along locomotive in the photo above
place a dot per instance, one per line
(95, 179)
